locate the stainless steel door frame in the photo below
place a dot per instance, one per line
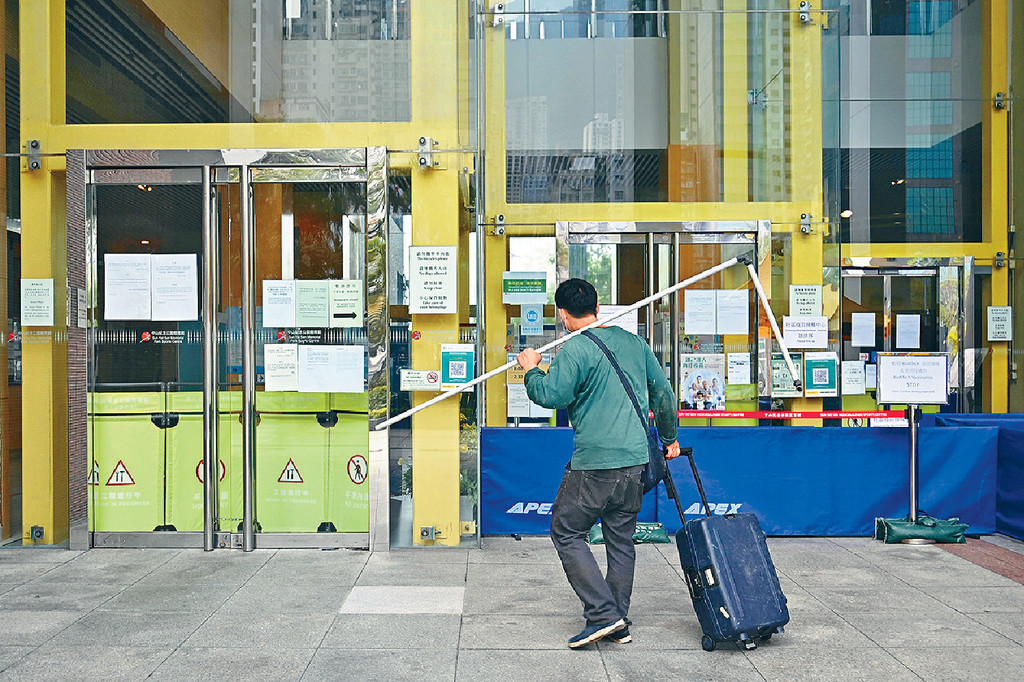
(756, 233)
(246, 166)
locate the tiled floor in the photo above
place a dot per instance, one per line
(860, 611)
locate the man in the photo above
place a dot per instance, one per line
(602, 480)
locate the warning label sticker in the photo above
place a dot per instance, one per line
(94, 477)
(290, 474)
(120, 475)
(201, 470)
(357, 469)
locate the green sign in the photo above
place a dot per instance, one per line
(524, 287)
(456, 364)
(783, 385)
(821, 375)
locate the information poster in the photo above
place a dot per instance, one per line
(821, 375)
(908, 331)
(419, 380)
(346, 302)
(853, 378)
(629, 321)
(739, 368)
(783, 385)
(311, 303)
(524, 287)
(456, 364)
(281, 367)
(279, 303)
(531, 319)
(912, 379)
(805, 332)
(37, 302)
(805, 300)
(732, 311)
(331, 369)
(1000, 323)
(126, 286)
(862, 330)
(702, 381)
(433, 279)
(175, 286)
(699, 311)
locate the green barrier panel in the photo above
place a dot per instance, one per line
(127, 479)
(349, 490)
(126, 403)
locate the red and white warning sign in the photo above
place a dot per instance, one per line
(94, 477)
(290, 474)
(200, 471)
(120, 475)
(357, 469)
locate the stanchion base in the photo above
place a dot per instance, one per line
(918, 541)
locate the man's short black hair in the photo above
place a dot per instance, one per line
(578, 297)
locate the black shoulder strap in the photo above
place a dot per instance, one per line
(622, 377)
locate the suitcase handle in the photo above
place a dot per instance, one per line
(670, 486)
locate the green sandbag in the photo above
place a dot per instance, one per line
(892, 531)
(645, 532)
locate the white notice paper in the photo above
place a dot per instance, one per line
(83, 309)
(518, 402)
(331, 369)
(281, 367)
(733, 312)
(805, 332)
(311, 309)
(699, 311)
(908, 331)
(126, 286)
(739, 368)
(175, 282)
(279, 303)
(433, 279)
(805, 300)
(1000, 323)
(862, 330)
(853, 378)
(629, 321)
(346, 302)
(870, 376)
(37, 302)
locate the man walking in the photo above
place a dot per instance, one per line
(602, 480)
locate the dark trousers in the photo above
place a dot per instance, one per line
(614, 496)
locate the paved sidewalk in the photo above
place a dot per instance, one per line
(860, 611)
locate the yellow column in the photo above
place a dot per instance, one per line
(735, 110)
(436, 211)
(995, 181)
(44, 250)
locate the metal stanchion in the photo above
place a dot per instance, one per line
(913, 412)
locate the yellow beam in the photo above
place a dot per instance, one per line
(984, 254)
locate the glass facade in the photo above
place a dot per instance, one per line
(855, 150)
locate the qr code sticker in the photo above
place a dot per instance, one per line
(457, 369)
(820, 376)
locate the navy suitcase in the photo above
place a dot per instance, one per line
(729, 572)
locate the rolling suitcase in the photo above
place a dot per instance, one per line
(729, 572)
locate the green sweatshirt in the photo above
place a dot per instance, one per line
(608, 433)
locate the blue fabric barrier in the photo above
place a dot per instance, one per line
(798, 480)
(520, 470)
(1010, 468)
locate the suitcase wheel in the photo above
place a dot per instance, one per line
(707, 644)
(765, 638)
(749, 644)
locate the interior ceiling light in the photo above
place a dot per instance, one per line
(846, 214)
(145, 241)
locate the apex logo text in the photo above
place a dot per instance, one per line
(720, 509)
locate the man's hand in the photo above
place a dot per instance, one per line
(528, 359)
(672, 451)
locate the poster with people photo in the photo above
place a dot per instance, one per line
(702, 383)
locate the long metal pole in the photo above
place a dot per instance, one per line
(766, 304)
(912, 420)
(211, 470)
(248, 363)
(603, 321)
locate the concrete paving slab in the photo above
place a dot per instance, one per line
(896, 595)
(822, 630)
(214, 663)
(1006, 542)
(94, 662)
(529, 666)
(956, 664)
(793, 664)
(1009, 625)
(212, 568)
(399, 573)
(657, 601)
(39, 596)
(385, 631)
(419, 555)
(541, 601)
(131, 629)
(16, 573)
(895, 629)
(966, 574)
(112, 573)
(659, 633)
(269, 629)
(155, 596)
(981, 599)
(404, 599)
(381, 664)
(10, 655)
(42, 555)
(823, 574)
(518, 575)
(493, 631)
(33, 627)
(286, 595)
(724, 665)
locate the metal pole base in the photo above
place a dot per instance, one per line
(918, 541)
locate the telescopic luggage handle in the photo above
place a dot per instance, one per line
(670, 486)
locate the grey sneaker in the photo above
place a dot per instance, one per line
(593, 633)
